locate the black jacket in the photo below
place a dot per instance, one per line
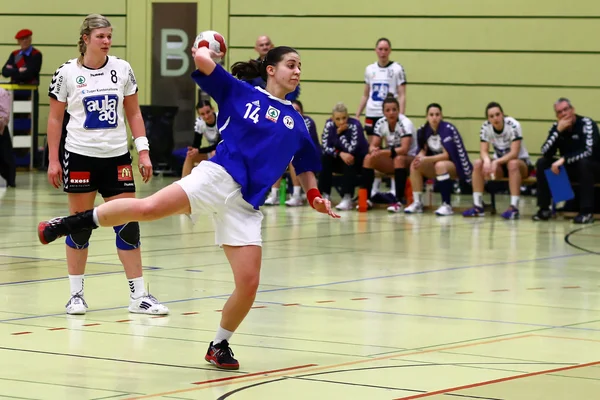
(33, 63)
(580, 142)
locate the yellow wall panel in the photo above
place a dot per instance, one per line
(54, 56)
(50, 29)
(420, 33)
(412, 7)
(62, 7)
(451, 67)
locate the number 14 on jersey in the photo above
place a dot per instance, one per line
(252, 112)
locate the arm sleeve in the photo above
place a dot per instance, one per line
(58, 84)
(328, 139)
(131, 84)
(590, 139)
(33, 65)
(550, 146)
(10, 72)
(197, 140)
(212, 147)
(220, 84)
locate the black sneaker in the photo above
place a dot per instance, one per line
(221, 356)
(49, 231)
(583, 218)
(542, 215)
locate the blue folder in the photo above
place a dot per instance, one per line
(560, 186)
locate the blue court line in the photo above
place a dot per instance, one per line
(435, 316)
(322, 284)
(66, 277)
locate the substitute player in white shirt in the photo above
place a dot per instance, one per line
(261, 134)
(204, 128)
(510, 159)
(381, 78)
(98, 91)
(401, 148)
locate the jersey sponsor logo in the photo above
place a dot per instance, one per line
(80, 82)
(98, 74)
(101, 111)
(380, 91)
(288, 122)
(124, 173)
(79, 178)
(272, 114)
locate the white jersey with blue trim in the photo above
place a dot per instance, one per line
(260, 134)
(94, 100)
(503, 140)
(381, 81)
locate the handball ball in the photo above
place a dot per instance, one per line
(213, 40)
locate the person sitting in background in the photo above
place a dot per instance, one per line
(577, 140)
(8, 169)
(442, 155)
(510, 159)
(344, 149)
(262, 47)
(23, 65)
(399, 134)
(296, 199)
(206, 126)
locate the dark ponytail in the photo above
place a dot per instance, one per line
(390, 99)
(248, 70)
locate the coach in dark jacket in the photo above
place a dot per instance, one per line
(577, 140)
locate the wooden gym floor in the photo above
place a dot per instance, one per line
(372, 306)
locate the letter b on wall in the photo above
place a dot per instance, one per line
(173, 45)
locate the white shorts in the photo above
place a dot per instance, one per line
(211, 190)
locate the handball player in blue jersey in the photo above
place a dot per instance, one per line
(261, 133)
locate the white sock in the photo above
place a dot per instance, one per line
(514, 201)
(222, 334)
(418, 197)
(478, 199)
(95, 216)
(76, 284)
(376, 184)
(274, 191)
(393, 186)
(297, 191)
(136, 287)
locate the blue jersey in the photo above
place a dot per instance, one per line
(260, 134)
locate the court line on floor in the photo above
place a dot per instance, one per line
(354, 362)
(333, 283)
(499, 380)
(123, 393)
(569, 338)
(59, 278)
(434, 316)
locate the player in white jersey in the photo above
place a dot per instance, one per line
(98, 91)
(401, 148)
(261, 134)
(205, 127)
(510, 159)
(381, 78)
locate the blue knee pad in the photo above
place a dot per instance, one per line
(80, 240)
(128, 236)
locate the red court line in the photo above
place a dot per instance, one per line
(464, 292)
(159, 316)
(95, 324)
(429, 294)
(291, 304)
(326, 301)
(360, 298)
(190, 313)
(535, 288)
(57, 329)
(259, 307)
(229, 378)
(499, 290)
(393, 297)
(123, 320)
(508, 378)
(21, 333)
(571, 287)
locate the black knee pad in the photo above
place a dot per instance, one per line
(128, 236)
(79, 240)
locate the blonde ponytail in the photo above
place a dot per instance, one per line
(91, 22)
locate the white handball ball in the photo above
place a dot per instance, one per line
(212, 40)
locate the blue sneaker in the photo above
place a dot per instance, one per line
(476, 211)
(511, 212)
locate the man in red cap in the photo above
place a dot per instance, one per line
(24, 65)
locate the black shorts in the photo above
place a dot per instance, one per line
(370, 124)
(109, 176)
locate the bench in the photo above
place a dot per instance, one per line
(530, 180)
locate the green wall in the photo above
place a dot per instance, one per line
(462, 53)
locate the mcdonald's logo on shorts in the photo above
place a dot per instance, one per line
(124, 173)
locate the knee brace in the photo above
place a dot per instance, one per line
(79, 240)
(128, 236)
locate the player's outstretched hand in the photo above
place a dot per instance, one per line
(324, 206)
